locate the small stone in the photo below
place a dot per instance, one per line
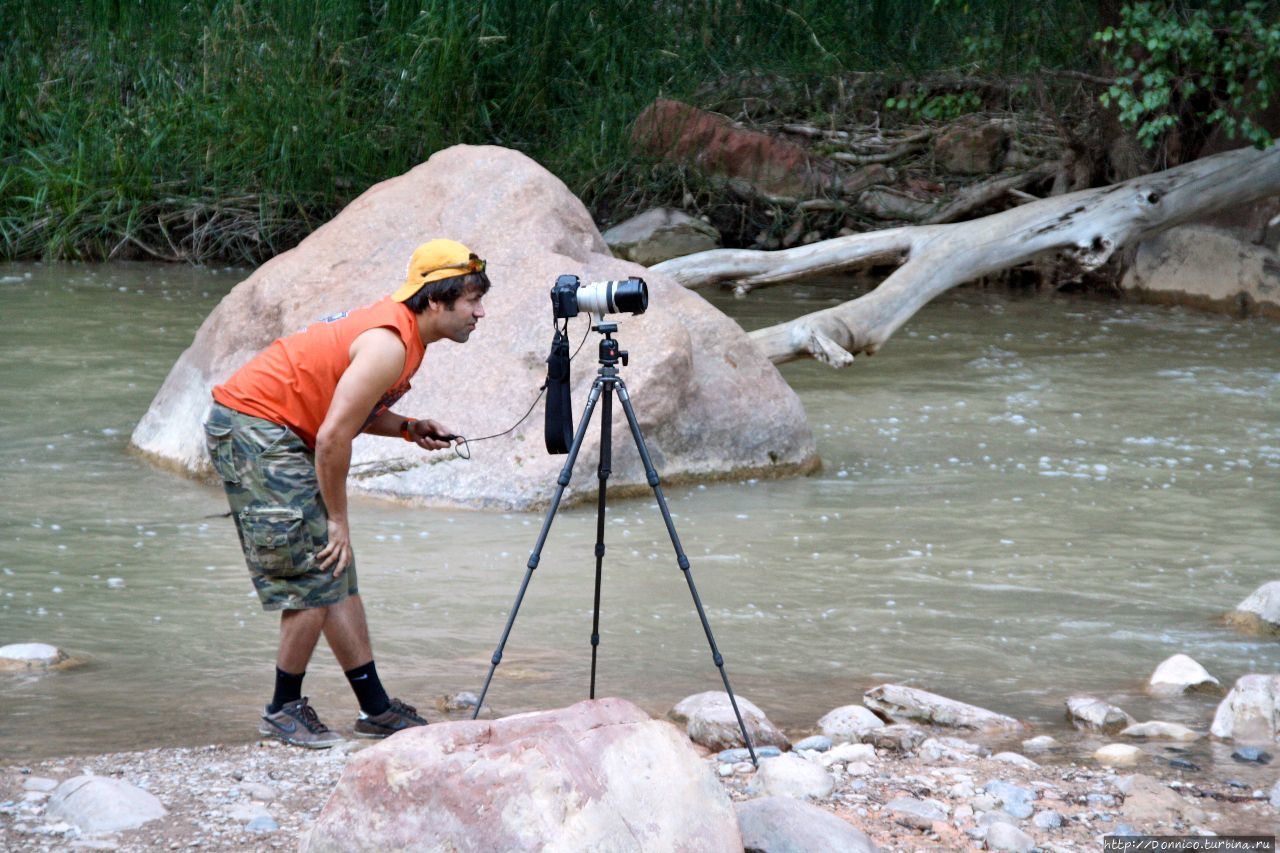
(29, 656)
(1183, 764)
(740, 753)
(818, 743)
(115, 583)
(1006, 836)
(1275, 796)
(1252, 755)
(1160, 730)
(1047, 819)
(849, 752)
(726, 770)
(917, 814)
(262, 823)
(1043, 743)
(1015, 759)
(39, 783)
(1118, 755)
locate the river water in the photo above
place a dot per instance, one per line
(1021, 498)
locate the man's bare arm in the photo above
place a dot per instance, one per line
(377, 358)
(388, 423)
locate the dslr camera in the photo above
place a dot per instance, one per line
(569, 297)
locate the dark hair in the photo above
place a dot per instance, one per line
(447, 290)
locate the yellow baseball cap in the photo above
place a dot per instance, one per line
(436, 260)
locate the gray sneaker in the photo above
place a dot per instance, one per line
(399, 716)
(297, 723)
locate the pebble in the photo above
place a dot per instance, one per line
(262, 823)
(1015, 758)
(818, 743)
(1006, 836)
(1047, 819)
(1252, 755)
(740, 753)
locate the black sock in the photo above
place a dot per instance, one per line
(368, 689)
(288, 689)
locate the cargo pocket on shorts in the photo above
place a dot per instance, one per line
(221, 452)
(276, 540)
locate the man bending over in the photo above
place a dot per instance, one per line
(279, 435)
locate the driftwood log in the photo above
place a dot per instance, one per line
(1083, 229)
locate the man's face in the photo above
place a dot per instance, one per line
(457, 323)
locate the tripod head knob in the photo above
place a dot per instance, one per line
(624, 355)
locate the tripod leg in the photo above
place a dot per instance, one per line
(563, 481)
(606, 454)
(683, 561)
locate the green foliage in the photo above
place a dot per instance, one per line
(1215, 64)
(231, 128)
(920, 104)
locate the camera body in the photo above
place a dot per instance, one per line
(569, 297)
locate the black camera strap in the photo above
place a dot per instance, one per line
(559, 412)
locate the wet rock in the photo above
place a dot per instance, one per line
(817, 743)
(22, 657)
(1006, 836)
(917, 814)
(849, 722)
(574, 778)
(786, 825)
(1206, 267)
(1160, 730)
(792, 776)
(693, 365)
(710, 721)
(1179, 674)
(1118, 755)
(908, 703)
(1092, 714)
(1252, 755)
(900, 738)
(1183, 764)
(1043, 743)
(660, 234)
(102, 804)
(1250, 711)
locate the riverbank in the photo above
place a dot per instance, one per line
(263, 795)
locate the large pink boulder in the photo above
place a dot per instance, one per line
(598, 775)
(709, 403)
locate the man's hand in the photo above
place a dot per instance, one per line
(430, 435)
(338, 552)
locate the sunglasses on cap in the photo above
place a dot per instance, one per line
(472, 264)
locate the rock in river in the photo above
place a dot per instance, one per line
(1179, 674)
(1260, 612)
(1251, 711)
(709, 403)
(710, 721)
(1092, 714)
(28, 656)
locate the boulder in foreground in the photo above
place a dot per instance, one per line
(709, 403)
(598, 775)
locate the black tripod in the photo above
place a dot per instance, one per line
(606, 384)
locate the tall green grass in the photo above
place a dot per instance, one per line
(229, 129)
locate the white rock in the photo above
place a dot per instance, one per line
(1180, 673)
(710, 721)
(847, 752)
(918, 814)
(909, 703)
(849, 722)
(1042, 743)
(1006, 836)
(103, 804)
(1161, 730)
(1090, 713)
(39, 783)
(1261, 610)
(783, 823)
(25, 656)
(790, 776)
(1251, 711)
(1015, 759)
(691, 365)
(1118, 755)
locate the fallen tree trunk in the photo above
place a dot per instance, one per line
(1083, 229)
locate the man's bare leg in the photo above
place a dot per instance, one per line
(347, 633)
(299, 632)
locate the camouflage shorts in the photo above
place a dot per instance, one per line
(270, 478)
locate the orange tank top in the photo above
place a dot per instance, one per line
(292, 381)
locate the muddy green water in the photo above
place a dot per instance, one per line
(1021, 498)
